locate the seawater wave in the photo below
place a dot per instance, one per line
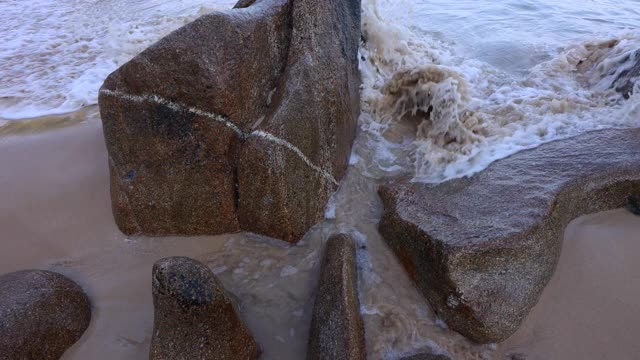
(448, 87)
(54, 55)
(433, 113)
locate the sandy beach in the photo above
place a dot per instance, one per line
(56, 215)
(590, 308)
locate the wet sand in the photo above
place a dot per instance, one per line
(591, 307)
(55, 214)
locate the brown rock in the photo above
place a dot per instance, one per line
(481, 249)
(194, 317)
(315, 109)
(337, 331)
(167, 119)
(42, 314)
(241, 120)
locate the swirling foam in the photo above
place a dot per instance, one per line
(442, 115)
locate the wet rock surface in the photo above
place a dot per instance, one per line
(194, 318)
(241, 120)
(42, 314)
(337, 330)
(628, 78)
(481, 249)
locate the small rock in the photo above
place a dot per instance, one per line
(194, 317)
(633, 205)
(426, 356)
(516, 356)
(42, 314)
(337, 331)
(628, 78)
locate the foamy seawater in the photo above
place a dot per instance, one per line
(55, 54)
(456, 86)
(449, 87)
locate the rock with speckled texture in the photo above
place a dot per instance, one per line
(481, 249)
(241, 120)
(315, 109)
(194, 318)
(42, 314)
(337, 331)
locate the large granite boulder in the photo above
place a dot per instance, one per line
(194, 318)
(337, 331)
(42, 314)
(241, 120)
(481, 249)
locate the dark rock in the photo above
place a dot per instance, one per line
(42, 314)
(337, 331)
(516, 356)
(627, 78)
(426, 356)
(241, 120)
(481, 249)
(244, 3)
(194, 318)
(633, 205)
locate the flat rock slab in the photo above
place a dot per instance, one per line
(337, 331)
(194, 317)
(481, 249)
(241, 120)
(42, 314)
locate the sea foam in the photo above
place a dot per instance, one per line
(442, 114)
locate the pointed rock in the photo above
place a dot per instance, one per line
(337, 330)
(194, 317)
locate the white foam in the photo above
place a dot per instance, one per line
(451, 115)
(288, 271)
(491, 92)
(54, 55)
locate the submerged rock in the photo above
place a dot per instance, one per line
(337, 331)
(633, 205)
(628, 78)
(42, 314)
(241, 120)
(426, 356)
(194, 318)
(481, 249)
